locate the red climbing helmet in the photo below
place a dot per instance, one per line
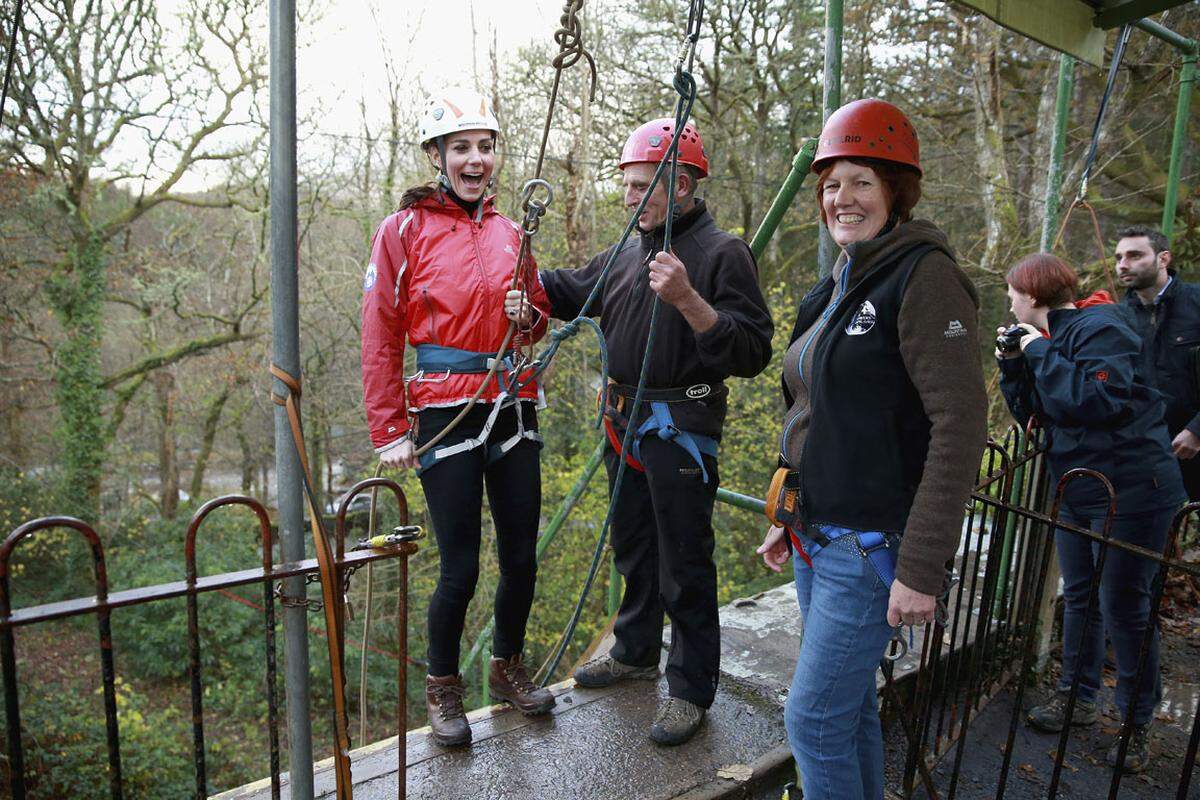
(868, 128)
(651, 141)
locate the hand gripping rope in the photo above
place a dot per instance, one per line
(685, 86)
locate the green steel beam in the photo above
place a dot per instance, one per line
(783, 200)
(831, 100)
(1181, 43)
(1114, 15)
(1062, 114)
(1065, 25)
(1178, 143)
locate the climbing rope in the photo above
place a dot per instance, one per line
(685, 86)
(1089, 161)
(571, 50)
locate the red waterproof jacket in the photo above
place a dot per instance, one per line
(437, 276)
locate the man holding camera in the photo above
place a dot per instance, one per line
(1165, 312)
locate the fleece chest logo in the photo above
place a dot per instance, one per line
(864, 320)
(955, 330)
(369, 278)
(1102, 376)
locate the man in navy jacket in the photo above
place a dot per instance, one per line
(1165, 312)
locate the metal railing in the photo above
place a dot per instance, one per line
(102, 604)
(1000, 610)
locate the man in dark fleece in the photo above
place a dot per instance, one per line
(713, 323)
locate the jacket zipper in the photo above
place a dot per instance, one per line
(487, 289)
(432, 313)
(830, 307)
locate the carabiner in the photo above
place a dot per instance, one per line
(897, 647)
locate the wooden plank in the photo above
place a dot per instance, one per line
(1120, 12)
(1064, 25)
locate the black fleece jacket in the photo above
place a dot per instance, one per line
(721, 269)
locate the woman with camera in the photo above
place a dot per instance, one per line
(1084, 385)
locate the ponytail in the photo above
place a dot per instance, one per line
(416, 194)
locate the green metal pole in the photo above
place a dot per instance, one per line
(744, 502)
(1062, 115)
(783, 200)
(831, 100)
(556, 522)
(1178, 142)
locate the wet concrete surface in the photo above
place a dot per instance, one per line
(595, 744)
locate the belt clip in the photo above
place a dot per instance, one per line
(668, 432)
(865, 552)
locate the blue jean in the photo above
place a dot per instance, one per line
(1124, 608)
(832, 710)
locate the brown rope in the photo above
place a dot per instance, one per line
(1079, 201)
(330, 588)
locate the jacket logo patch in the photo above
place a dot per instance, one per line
(863, 320)
(1102, 376)
(369, 278)
(954, 330)
(698, 391)
(508, 249)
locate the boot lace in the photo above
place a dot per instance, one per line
(450, 701)
(518, 677)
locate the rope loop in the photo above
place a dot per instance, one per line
(569, 38)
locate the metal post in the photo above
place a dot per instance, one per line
(1062, 115)
(783, 200)
(831, 100)
(285, 303)
(1178, 142)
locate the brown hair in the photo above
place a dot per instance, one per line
(901, 185)
(1045, 278)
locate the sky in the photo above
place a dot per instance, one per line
(340, 58)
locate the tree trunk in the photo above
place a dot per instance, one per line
(168, 461)
(208, 436)
(999, 210)
(76, 295)
(15, 452)
(247, 460)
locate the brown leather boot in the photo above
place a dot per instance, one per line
(444, 702)
(508, 681)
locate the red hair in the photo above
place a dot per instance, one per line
(1045, 278)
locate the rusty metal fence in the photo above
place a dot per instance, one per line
(103, 603)
(996, 633)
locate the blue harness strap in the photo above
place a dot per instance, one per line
(661, 422)
(436, 358)
(872, 544)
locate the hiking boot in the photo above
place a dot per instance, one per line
(1137, 757)
(508, 681)
(676, 722)
(605, 670)
(444, 702)
(1051, 715)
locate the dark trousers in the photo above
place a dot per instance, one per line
(454, 497)
(1190, 470)
(1123, 610)
(662, 540)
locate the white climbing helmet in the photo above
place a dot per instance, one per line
(456, 110)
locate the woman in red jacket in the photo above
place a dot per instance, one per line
(440, 267)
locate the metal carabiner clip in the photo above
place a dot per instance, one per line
(897, 647)
(534, 208)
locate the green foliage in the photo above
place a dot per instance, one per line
(64, 744)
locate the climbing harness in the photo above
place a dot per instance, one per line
(660, 422)
(450, 360)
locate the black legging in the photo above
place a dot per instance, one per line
(454, 498)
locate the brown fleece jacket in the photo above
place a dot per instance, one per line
(938, 326)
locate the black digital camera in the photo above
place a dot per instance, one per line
(1010, 340)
